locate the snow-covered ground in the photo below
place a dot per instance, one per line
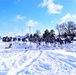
(21, 59)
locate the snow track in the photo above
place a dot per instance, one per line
(21, 64)
(52, 63)
(38, 62)
(31, 61)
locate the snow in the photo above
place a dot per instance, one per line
(27, 59)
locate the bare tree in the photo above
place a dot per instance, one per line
(66, 28)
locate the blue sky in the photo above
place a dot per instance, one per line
(17, 15)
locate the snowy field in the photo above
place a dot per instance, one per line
(45, 60)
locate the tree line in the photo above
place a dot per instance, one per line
(64, 30)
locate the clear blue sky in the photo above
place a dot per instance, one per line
(17, 15)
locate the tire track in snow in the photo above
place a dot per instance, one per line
(14, 71)
(67, 59)
(56, 64)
